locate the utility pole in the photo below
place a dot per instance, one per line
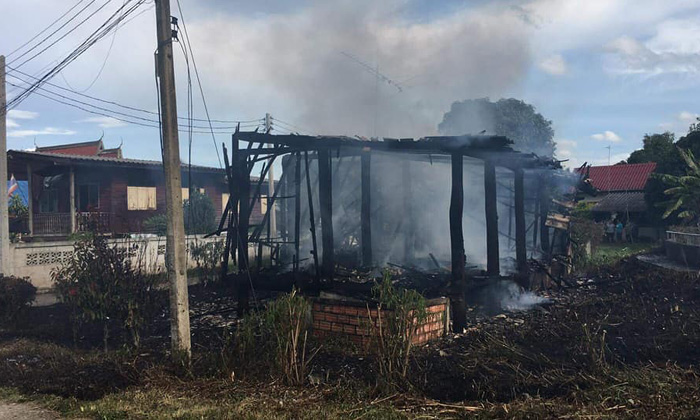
(175, 256)
(4, 221)
(271, 187)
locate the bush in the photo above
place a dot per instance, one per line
(200, 215)
(208, 257)
(274, 339)
(584, 231)
(400, 313)
(99, 284)
(16, 295)
(156, 224)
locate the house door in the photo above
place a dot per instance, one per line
(88, 197)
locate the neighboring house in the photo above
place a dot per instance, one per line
(74, 187)
(619, 189)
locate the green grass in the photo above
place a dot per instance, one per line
(606, 254)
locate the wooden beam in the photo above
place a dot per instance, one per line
(312, 219)
(545, 199)
(491, 208)
(243, 192)
(365, 206)
(409, 230)
(325, 199)
(520, 228)
(297, 209)
(458, 285)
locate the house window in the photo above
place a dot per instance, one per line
(88, 197)
(263, 204)
(141, 198)
(48, 203)
(186, 193)
(224, 201)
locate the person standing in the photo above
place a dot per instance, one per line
(609, 231)
(618, 231)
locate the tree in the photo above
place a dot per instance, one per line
(684, 190)
(513, 118)
(200, 216)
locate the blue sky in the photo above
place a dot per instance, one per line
(605, 72)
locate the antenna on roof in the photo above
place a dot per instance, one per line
(121, 142)
(36, 146)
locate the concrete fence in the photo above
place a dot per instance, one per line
(36, 260)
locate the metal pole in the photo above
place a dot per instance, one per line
(175, 256)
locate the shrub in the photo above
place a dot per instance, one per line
(16, 294)
(99, 284)
(208, 257)
(400, 313)
(274, 339)
(200, 215)
(156, 224)
(584, 231)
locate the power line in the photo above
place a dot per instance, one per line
(46, 29)
(199, 82)
(132, 108)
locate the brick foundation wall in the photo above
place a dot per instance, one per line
(352, 320)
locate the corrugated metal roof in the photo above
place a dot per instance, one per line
(622, 202)
(622, 177)
(107, 160)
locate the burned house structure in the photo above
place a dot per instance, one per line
(449, 208)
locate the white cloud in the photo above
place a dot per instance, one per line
(44, 132)
(11, 123)
(105, 122)
(22, 115)
(687, 117)
(675, 48)
(566, 143)
(554, 65)
(607, 136)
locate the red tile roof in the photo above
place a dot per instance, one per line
(89, 148)
(622, 177)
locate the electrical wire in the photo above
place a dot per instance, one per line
(132, 108)
(199, 82)
(46, 29)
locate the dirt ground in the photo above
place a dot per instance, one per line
(622, 342)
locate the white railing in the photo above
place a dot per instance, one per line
(683, 238)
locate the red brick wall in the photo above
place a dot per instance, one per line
(352, 320)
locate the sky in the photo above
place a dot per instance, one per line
(605, 72)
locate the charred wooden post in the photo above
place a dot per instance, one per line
(312, 218)
(243, 192)
(545, 200)
(491, 207)
(297, 209)
(325, 199)
(520, 228)
(406, 185)
(365, 209)
(458, 285)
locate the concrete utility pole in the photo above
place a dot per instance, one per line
(271, 186)
(175, 256)
(4, 221)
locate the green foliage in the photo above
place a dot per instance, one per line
(400, 313)
(583, 210)
(16, 295)
(583, 232)
(200, 215)
(513, 118)
(156, 224)
(274, 339)
(208, 257)
(684, 191)
(99, 284)
(16, 208)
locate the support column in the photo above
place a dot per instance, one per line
(4, 216)
(243, 190)
(491, 207)
(544, 199)
(325, 197)
(457, 289)
(297, 208)
(365, 210)
(520, 228)
(408, 223)
(30, 200)
(71, 180)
